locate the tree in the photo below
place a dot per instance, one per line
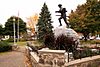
(1, 31)
(44, 23)
(86, 18)
(32, 21)
(9, 26)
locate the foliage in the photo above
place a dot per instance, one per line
(49, 41)
(85, 52)
(9, 26)
(86, 18)
(65, 43)
(4, 46)
(1, 31)
(60, 43)
(44, 23)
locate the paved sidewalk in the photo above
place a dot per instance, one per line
(13, 58)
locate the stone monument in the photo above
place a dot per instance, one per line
(61, 29)
(65, 31)
(57, 58)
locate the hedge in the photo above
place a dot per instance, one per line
(4, 46)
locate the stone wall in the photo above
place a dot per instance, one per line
(52, 57)
(85, 62)
(56, 58)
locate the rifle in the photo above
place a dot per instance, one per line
(57, 11)
(60, 15)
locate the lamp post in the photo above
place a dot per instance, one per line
(14, 30)
(18, 28)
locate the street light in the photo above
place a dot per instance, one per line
(18, 29)
(14, 30)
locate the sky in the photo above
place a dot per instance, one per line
(27, 8)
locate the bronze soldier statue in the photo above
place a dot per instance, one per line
(63, 15)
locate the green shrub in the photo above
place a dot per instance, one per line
(62, 42)
(65, 43)
(4, 46)
(85, 52)
(49, 41)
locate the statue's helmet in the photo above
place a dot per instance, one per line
(59, 5)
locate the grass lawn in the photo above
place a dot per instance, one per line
(19, 43)
(90, 42)
(35, 43)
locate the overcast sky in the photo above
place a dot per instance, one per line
(27, 8)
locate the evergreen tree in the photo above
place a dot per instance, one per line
(44, 23)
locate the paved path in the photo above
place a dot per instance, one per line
(13, 58)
